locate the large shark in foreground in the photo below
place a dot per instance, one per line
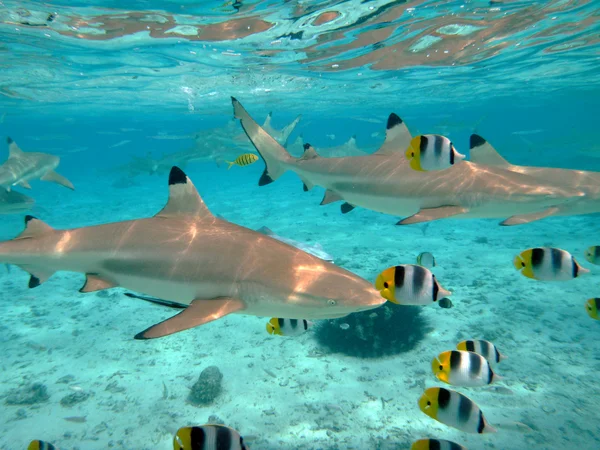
(385, 182)
(187, 256)
(22, 167)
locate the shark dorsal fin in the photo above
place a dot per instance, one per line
(13, 149)
(483, 153)
(309, 153)
(397, 137)
(183, 197)
(267, 122)
(34, 227)
(266, 231)
(352, 141)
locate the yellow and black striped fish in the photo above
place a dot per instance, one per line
(409, 284)
(208, 437)
(436, 444)
(288, 327)
(460, 368)
(592, 306)
(548, 264)
(41, 445)
(455, 410)
(432, 152)
(592, 254)
(243, 160)
(483, 348)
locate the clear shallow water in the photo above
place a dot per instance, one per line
(100, 84)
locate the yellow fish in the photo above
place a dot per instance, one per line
(409, 284)
(460, 368)
(209, 437)
(548, 264)
(432, 152)
(243, 160)
(41, 445)
(592, 254)
(436, 444)
(592, 306)
(455, 410)
(288, 327)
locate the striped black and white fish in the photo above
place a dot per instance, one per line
(410, 284)
(436, 444)
(208, 437)
(483, 348)
(548, 264)
(288, 327)
(432, 152)
(455, 410)
(461, 368)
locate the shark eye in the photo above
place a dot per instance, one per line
(331, 302)
(386, 285)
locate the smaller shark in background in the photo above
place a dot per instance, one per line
(12, 202)
(22, 167)
(385, 182)
(348, 148)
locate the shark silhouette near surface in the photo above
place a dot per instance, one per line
(385, 182)
(12, 202)
(22, 167)
(188, 257)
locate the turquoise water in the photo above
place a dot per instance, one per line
(102, 84)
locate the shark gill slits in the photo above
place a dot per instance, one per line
(177, 176)
(393, 120)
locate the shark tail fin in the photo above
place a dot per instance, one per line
(272, 153)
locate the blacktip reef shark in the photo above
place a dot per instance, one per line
(22, 167)
(588, 182)
(12, 202)
(187, 256)
(348, 148)
(385, 182)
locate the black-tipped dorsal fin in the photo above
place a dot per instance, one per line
(309, 153)
(483, 153)
(397, 137)
(33, 228)
(183, 197)
(13, 148)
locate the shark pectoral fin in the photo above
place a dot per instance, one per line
(397, 137)
(526, 218)
(24, 184)
(429, 214)
(58, 179)
(346, 208)
(183, 198)
(306, 185)
(94, 282)
(198, 313)
(330, 197)
(38, 275)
